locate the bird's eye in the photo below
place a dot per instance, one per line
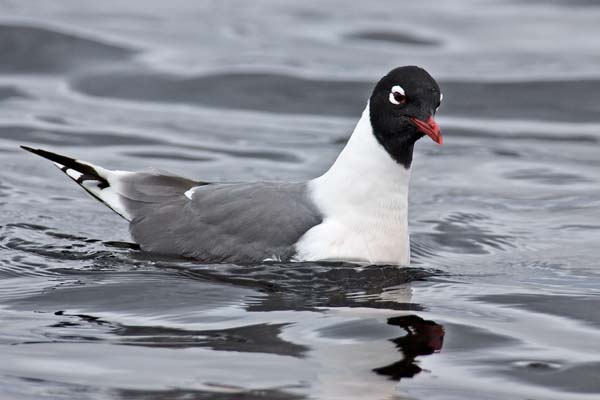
(397, 95)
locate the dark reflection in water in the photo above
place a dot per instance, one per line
(423, 338)
(299, 287)
(310, 285)
(231, 393)
(259, 338)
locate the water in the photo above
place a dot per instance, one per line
(503, 295)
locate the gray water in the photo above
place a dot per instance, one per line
(502, 299)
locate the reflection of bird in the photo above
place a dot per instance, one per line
(356, 211)
(424, 337)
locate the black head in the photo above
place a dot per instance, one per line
(402, 107)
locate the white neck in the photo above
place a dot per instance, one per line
(363, 198)
(365, 164)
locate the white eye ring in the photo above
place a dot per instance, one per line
(396, 89)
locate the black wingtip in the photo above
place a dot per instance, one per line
(31, 149)
(57, 158)
(39, 152)
(64, 162)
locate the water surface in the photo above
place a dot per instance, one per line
(501, 300)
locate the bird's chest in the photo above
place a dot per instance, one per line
(374, 236)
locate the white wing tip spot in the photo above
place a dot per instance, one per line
(189, 193)
(73, 174)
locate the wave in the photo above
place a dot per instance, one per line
(551, 100)
(35, 49)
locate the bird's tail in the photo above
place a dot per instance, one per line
(129, 194)
(95, 180)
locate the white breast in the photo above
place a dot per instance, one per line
(363, 198)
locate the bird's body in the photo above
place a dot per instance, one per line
(356, 211)
(364, 196)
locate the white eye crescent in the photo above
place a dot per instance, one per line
(441, 98)
(397, 95)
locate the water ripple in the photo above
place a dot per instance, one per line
(29, 49)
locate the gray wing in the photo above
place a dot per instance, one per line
(246, 222)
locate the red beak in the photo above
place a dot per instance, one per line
(430, 128)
